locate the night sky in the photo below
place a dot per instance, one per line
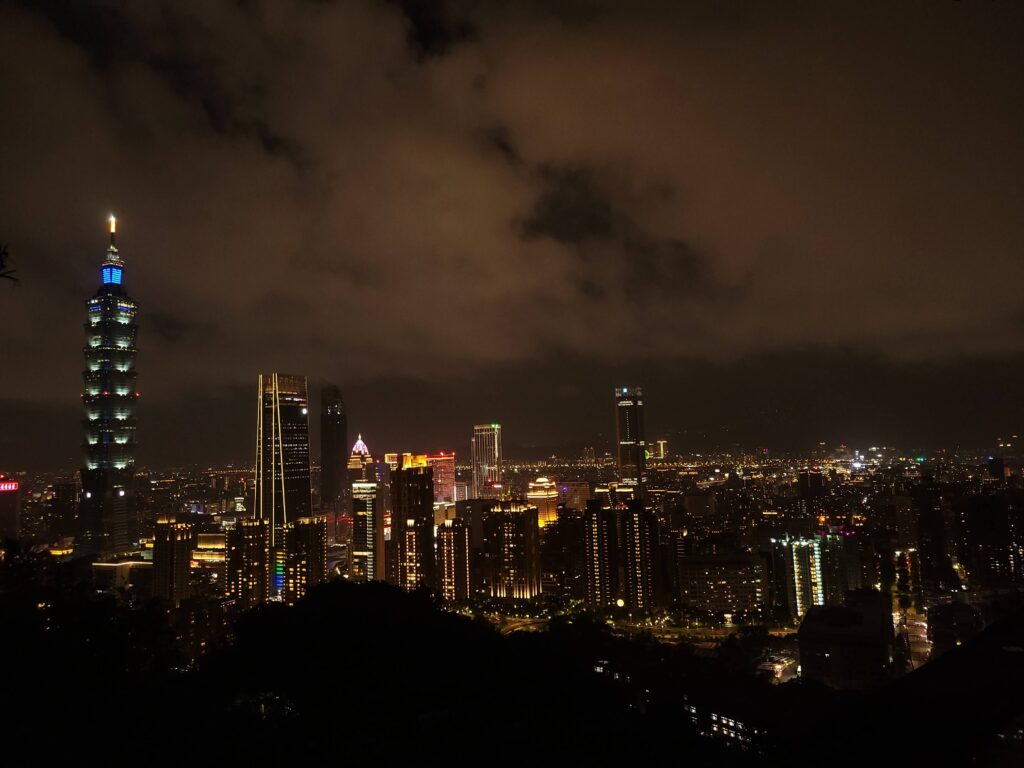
(788, 223)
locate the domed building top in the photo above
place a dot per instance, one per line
(360, 449)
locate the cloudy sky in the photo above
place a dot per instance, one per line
(789, 223)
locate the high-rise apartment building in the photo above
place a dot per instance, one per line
(513, 551)
(248, 563)
(486, 459)
(453, 561)
(305, 556)
(620, 549)
(106, 521)
(172, 557)
(333, 447)
(412, 524)
(629, 436)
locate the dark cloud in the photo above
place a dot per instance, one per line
(373, 191)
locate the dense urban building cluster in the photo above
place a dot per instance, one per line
(857, 564)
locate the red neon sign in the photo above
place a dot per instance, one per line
(8, 485)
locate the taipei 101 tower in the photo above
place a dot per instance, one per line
(107, 520)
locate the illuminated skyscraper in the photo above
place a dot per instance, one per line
(172, 557)
(333, 444)
(639, 539)
(412, 526)
(486, 457)
(453, 560)
(107, 510)
(366, 562)
(629, 435)
(248, 563)
(305, 556)
(443, 465)
(543, 494)
(281, 492)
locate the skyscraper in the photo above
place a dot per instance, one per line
(513, 549)
(305, 556)
(281, 492)
(366, 561)
(107, 510)
(543, 494)
(333, 444)
(412, 526)
(453, 560)
(620, 541)
(600, 555)
(486, 458)
(443, 465)
(629, 435)
(248, 563)
(172, 557)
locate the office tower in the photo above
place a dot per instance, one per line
(172, 557)
(629, 436)
(486, 458)
(248, 563)
(461, 492)
(333, 445)
(513, 551)
(10, 509)
(412, 524)
(661, 451)
(106, 521)
(543, 494)
(731, 583)
(443, 465)
(453, 561)
(600, 555)
(849, 646)
(281, 492)
(574, 494)
(359, 460)
(639, 538)
(366, 561)
(305, 556)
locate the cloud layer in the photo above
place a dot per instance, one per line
(369, 191)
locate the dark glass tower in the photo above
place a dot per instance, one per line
(333, 446)
(629, 435)
(281, 492)
(106, 522)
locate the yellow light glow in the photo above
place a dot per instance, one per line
(113, 224)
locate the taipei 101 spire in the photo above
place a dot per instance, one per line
(107, 520)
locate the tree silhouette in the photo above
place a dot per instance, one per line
(7, 273)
